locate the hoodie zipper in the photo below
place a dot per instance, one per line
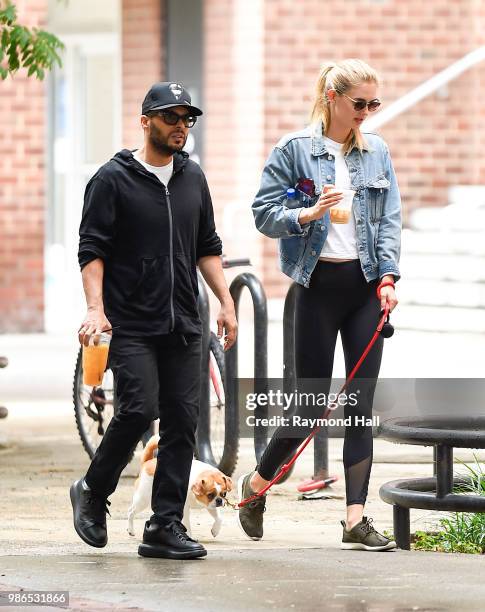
(172, 274)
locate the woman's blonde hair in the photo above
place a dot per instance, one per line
(341, 76)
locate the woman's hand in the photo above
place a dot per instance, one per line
(388, 294)
(328, 198)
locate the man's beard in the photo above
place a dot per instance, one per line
(160, 143)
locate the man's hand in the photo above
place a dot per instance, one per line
(226, 320)
(211, 268)
(94, 323)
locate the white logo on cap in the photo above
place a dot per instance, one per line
(176, 89)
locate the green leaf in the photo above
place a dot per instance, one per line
(34, 49)
(9, 14)
(5, 38)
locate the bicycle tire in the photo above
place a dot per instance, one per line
(229, 456)
(80, 408)
(80, 411)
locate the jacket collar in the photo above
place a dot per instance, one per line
(318, 143)
(125, 157)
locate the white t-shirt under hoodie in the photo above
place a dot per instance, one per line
(341, 240)
(163, 173)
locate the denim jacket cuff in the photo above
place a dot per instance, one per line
(389, 267)
(293, 225)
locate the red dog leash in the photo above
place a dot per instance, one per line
(384, 319)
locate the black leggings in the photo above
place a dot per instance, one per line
(339, 299)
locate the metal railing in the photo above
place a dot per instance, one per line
(258, 297)
(425, 89)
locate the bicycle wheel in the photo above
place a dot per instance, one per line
(221, 446)
(94, 408)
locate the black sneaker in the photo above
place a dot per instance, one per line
(363, 536)
(169, 542)
(250, 516)
(89, 513)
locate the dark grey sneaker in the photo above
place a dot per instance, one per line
(250, 516)
(363, 536)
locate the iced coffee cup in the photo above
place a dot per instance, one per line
(95, 359)
(340, 212)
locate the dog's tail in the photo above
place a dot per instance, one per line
(149, 449)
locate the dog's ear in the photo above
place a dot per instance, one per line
(228, 482)
(197, 487)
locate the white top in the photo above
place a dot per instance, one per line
(163, 173)
(341, 240)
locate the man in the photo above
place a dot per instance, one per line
(147, 222)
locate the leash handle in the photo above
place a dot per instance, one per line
(382, 285)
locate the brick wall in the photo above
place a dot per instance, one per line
(142, 24)
(22, 192)
(219, 100)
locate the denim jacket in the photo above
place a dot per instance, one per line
(376, 206)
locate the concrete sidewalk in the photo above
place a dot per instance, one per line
(297, 566)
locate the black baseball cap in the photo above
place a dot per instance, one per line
(168, 94)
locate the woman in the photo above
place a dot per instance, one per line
(338, 268)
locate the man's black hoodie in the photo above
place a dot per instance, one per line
(150, 237)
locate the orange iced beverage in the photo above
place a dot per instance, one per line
(340, 212)
(95, 359)
(339, 216)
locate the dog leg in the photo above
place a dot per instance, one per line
(141, 500)
(216, 515)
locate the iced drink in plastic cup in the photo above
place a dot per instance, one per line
(340, 212)
(95, 359)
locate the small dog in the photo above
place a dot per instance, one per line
(208, 487)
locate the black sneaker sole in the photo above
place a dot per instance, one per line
(72, 494)
(162, 552)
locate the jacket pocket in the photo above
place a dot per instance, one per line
(292, 248)
(152, 291)
(302, 200)
(377, 190)
(186, 289)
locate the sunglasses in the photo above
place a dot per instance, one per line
(360, 103)
(172, 118)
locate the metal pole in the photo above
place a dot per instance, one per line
(444, 470)
(320, 454)
(204, 451)
(258, 297)
(289, 366)
(402, 526)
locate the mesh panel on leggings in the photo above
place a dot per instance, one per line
(357, 481)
